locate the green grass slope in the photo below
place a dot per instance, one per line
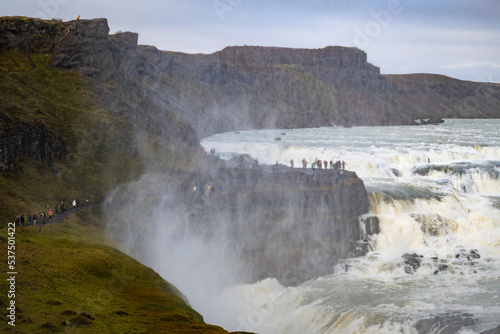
(70, 268)
(67, 269)
(99, 147)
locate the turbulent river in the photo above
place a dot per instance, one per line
(436, 192)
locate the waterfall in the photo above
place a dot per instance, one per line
(431, 241)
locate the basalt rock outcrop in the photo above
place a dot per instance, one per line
(82, 46)
(22, 140)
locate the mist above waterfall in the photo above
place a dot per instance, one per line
(238, 222)
(151, 221)
(213, 234)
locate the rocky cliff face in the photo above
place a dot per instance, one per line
(121, 77)
(340, 66)
(245, 87)
(84, 46)
(23, 140)
(25, 34)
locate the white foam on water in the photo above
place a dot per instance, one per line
(452, 201)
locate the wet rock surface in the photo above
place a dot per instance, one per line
(463, 261)
(412, 262)
(449, 323)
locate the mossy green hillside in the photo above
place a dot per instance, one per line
(99, 148)
(67, 269)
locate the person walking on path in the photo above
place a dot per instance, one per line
(43, 222)
(50, 214)
(34, 219)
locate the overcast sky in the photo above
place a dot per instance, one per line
(458, 38)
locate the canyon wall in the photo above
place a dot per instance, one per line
(244, 87)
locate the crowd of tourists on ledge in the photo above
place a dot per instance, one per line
(47, 215)
(337, 166)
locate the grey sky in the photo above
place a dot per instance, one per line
(459, 38)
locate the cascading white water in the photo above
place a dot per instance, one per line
(436, 192)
